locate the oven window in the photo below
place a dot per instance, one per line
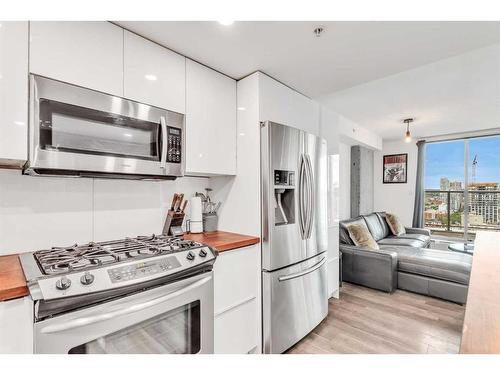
(175, 332)
(71, 128)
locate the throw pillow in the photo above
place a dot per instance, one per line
(395, 225)
(361, 236)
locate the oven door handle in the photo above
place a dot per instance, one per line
(164, 145)
(119, 310)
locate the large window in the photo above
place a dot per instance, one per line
(462, 180)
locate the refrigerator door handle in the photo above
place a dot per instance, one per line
(304, 272)
(302, 192)
(311, 197)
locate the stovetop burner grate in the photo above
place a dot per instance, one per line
(60, 260)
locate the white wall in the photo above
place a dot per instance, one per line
(40, 212)
(396, 198)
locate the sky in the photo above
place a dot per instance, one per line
(446, 159)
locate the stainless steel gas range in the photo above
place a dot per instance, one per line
(136, 295)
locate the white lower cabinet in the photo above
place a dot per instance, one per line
(333, 261)
(237, 301)
(16, 326)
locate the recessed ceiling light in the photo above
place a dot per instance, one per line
(128, 135)
(150, 77)
(241, 109)
(226, 23)
(20, 123)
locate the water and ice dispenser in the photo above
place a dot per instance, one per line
(284, 197)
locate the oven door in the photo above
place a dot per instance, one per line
(77, 129)
(176, 318)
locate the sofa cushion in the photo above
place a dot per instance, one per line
(399, 241)
(414, 236)
(439, 264)
(361, 236)
(395, 224)
(375, 226)
(344, 233)
(383, 223)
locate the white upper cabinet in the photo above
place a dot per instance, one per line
(210, 121)
(88, 54)
(153, 75)
(13, 93)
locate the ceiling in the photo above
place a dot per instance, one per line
(347, 53)
(459, 94)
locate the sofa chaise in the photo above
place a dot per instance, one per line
(404, 261)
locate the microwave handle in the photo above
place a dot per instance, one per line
(164, 145)
(120, 310)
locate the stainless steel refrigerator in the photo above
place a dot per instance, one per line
(294, 234)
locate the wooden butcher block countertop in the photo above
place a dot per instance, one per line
(481, 331)
(223, 241)
(12, 280)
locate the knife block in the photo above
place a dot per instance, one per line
(173, 219)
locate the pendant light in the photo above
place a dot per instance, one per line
(407, 121)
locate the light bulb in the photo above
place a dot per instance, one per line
(408, 137)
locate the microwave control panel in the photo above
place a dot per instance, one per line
(174, 147)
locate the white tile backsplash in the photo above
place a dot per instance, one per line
(39, 212)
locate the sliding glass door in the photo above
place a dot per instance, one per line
(462, 186)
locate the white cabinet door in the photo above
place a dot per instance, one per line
(153, 74)
(13, 93)
(210, 121)
(88, 54)
(16, 326)
(237, 301)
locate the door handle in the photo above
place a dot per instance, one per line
(164, 145)
(302, 209)
(302, 273)
(311, 197)
(120, 310)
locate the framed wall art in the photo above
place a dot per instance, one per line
(395, 169)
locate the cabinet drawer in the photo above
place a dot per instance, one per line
(235, 277)
(236, 330)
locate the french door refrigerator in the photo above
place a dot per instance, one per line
(294, 234)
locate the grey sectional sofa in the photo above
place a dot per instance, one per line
(404, 262)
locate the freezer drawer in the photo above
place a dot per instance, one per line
(294, 302)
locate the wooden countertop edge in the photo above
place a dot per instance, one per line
(12, 280)
(223, 241)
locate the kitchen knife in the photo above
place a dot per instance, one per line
(184, 206)
(174, 200)
(180, 197)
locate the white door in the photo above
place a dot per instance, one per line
(13, 93)
(210, 121)
(88, 54)
(153, 74)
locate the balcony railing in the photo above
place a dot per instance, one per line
(444, 210)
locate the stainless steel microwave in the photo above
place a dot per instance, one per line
(74, 131)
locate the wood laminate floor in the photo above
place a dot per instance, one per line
(367, 321)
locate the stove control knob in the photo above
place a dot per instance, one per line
(190, 256)
(63, 283)
(87, 278)
(202, 253)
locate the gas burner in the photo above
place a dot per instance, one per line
(60, 260)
